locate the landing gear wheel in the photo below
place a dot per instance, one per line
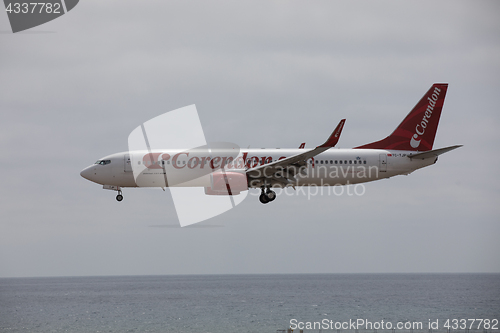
(263, 198)
(119, 197)
(271, 195)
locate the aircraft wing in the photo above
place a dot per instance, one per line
(284, 169)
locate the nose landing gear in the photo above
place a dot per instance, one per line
(119, 197)
(267, 195)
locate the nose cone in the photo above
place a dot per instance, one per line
(87, 173)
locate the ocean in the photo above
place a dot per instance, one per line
(251, 303)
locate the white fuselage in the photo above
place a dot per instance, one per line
(332, 167)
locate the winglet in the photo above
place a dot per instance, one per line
(334, 138)
(302, 145)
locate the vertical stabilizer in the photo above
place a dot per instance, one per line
(418, 130)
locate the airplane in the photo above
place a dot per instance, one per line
(228, 171)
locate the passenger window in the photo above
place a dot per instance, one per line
(364, 162)
(340, 162)
(350, 162)
(336, 161)
(345, 162)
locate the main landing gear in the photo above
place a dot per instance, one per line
(267, 195)
(119, 197)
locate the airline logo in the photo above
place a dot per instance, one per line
(339, 129)
(153, 161)
(420, 128)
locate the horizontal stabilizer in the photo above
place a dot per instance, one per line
(433, 153)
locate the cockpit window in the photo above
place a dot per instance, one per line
(103, 162)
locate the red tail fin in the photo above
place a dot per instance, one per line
(418, 130)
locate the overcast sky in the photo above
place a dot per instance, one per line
(264, 74)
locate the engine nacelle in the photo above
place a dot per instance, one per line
(227, 183)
